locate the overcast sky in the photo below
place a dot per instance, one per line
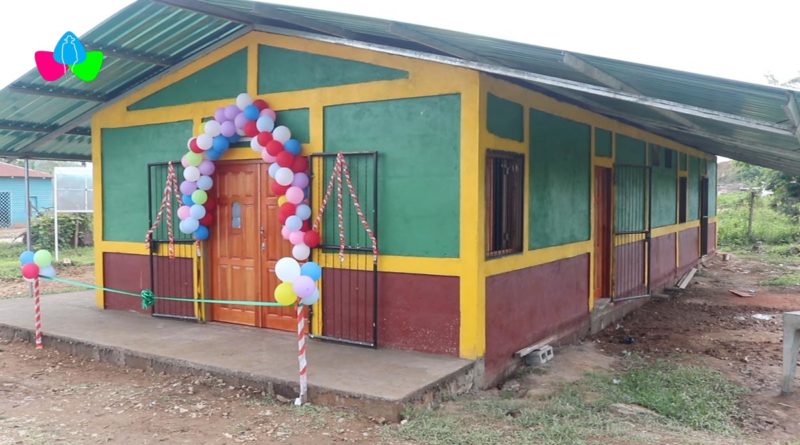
(737, 39)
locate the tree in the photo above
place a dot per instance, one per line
(791, 83)
(786, 187)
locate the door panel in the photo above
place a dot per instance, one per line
(235, 255)
(602, 232)
(703, 216)
(273, 248)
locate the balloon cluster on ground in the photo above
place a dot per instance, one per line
(36, 264)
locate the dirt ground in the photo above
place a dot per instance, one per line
(47, 397)
(15, 288)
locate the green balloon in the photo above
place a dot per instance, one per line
(194, 159)
(199, 196)
(42, 258)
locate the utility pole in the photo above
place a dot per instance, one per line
(750, 216)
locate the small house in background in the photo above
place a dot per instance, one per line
(12, 194)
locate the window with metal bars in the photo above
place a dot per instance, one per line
(505, 173)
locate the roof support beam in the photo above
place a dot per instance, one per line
(584, 67)
(662, 104)
(62, 93)
(128, 54)
(425, 39)
(793, 113)
(36, 128)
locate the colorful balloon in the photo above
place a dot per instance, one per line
(187, 187)
(208, 219)
(251, 112)
(188, 225)
(301, 252)
(201, 233)
(308, 301)
(193, 159)
(292, 146)
(212, 128)
(206, 167)
(295, 195)
(228, 129)
(287, 269)
(197, 211)
(284, 294)
(30, 271)
(281, 133)
(191, 174)
(243, 100)
(205, 141)
(294, 223)
(48, 271)
(312, 270)
(42, 258)
(205, 183)
(265, 123)
(303, 211)
(303, 286)
(183, 212)
(284, 176)
(26, 257)
(312, 238)
(199, 197)
(296, 237)
(300, 179)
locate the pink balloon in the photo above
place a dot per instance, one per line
(183, 211)
(219, 115)
(296, 237)
(187, 187)
(294, 195)
(285, 232)
(206, 168)
(184, 162)
(300, 180)
(228, 129)
(303, 286)
(268, 112)
(268, 157)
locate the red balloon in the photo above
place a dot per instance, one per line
(274, 147)
(264, 137)
(306, 226)
(260, 104)
(30, 271)
(285, 159)
(194, 147)
(210, 204)
(250, 129)
(208, 219)
(287, 209)
(311, 238)
(300, 164)
(277, 189)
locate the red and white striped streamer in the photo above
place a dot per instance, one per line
(170, 188)
(37, 314)
(301, 355)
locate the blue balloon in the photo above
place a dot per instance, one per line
(69, 50)
(201, 233)
(235, 138)
(220, 143)
(26, 257)
(311, 270)
(187, 200)
(213, 154)
(292, 146)
(251, 112)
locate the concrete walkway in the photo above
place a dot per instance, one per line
(338, 374)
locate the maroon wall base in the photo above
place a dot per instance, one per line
(528, 305)
(689, 249)
(415, 312)
(662, 261)
(127, 272)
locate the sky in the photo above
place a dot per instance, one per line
(741, 39)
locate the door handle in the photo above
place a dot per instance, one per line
(262, 236)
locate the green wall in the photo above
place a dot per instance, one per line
(603, 143)
(630, 151)
(224, 79)
(504, 118)
(282, 70)
(418, 141)
(711, 167)
(560, 163)
(665, 194)
(125, 155)
(297, 121)
(693, 186)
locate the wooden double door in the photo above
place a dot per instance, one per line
(245, 245)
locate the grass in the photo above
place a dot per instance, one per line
(789, 279)
(686, 401)
(9, 258)
(769, 225)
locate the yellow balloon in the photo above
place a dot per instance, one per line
(284, 294)
(282, 200)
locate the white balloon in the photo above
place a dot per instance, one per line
(287, 269)
(243, 100)
(265, 123)
(281, 133)
(284, 176)
(205, 183)
(197, 211)
(191, 174)
(301, 252)
(313, 298)
(189, 225)
(273, 168)
(255, 146)
(205, 141)
(213, 128)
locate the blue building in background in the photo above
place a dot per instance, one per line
(12, 194)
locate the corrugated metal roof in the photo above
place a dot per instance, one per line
(719, 116)
(14, 171)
